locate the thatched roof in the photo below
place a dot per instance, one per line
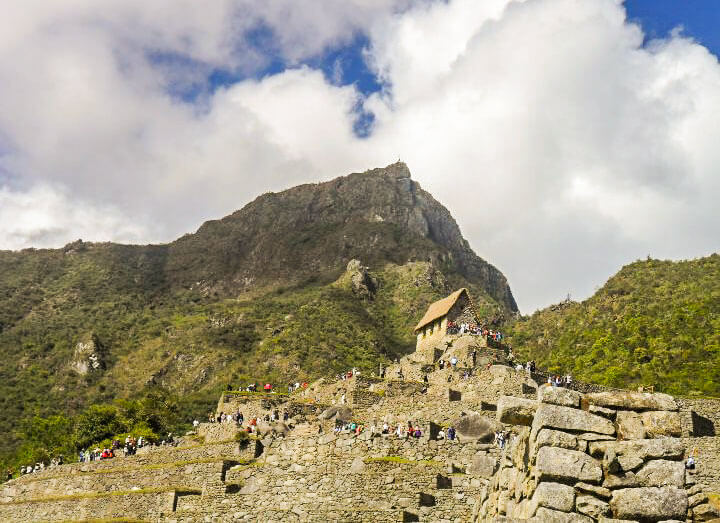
(440, 308)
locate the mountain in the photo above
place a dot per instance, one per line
(653, 323)
(297, 284)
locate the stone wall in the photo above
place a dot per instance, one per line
(575, 457)
(574, 454)
(706, 451)
(702, 416)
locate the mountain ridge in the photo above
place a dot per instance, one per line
(262, 294)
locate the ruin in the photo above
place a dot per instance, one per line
(578, 453)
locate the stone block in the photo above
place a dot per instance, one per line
(629, 463)
(483, 466)
(662, 424)
(705, 512)
(555, 496)
(649, 503)
(592, 506)
(602, 411)
(696, 499)
(632, 400)
(546, 515)
(553, 438)
(663, 448)
(516, 411)
(600, 492)
(629, 425)
(559, 396)
(561, 464)
(655, 473)
(566, 418)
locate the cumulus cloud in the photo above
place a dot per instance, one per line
(563, 145)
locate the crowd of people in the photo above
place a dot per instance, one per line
(411, 430)
(352, 373)
(267, 387)
(475, 330)
(238, 419)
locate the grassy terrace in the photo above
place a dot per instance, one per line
(95, 495)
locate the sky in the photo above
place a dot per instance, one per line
(567, 137)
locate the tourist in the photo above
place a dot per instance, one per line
(441, 434)
(451, 433)
(473, 354)
(453, 362)
(441, 364)
(690, 463)
(385, 428)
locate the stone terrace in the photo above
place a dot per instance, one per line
(572, 455)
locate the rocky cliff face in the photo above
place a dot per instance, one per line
(314, 230)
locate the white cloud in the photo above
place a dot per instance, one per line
(561, 145)
(46, 216)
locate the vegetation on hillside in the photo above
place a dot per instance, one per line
(653, 323)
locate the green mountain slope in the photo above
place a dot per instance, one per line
(653, 323)
(262, 294)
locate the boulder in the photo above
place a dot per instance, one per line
(632, 400)
(591, 506)
(341, 412)
(516, 411)
(476, 427)
(556, 464)
(662, 424)
(629, 425)
(649, 503)
(663, 448)
(554, 495)
(565, 418)
(483, 466)
(559, 396)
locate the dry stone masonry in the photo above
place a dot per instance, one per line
(580, 454)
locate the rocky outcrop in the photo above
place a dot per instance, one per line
(377, 216)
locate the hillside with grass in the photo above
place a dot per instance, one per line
(654, 323)
(261, 295)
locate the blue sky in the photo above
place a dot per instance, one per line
(699, 19)
(346, 64)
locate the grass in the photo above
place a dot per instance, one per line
(653, 323)
(95, 495)
(714, 500)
